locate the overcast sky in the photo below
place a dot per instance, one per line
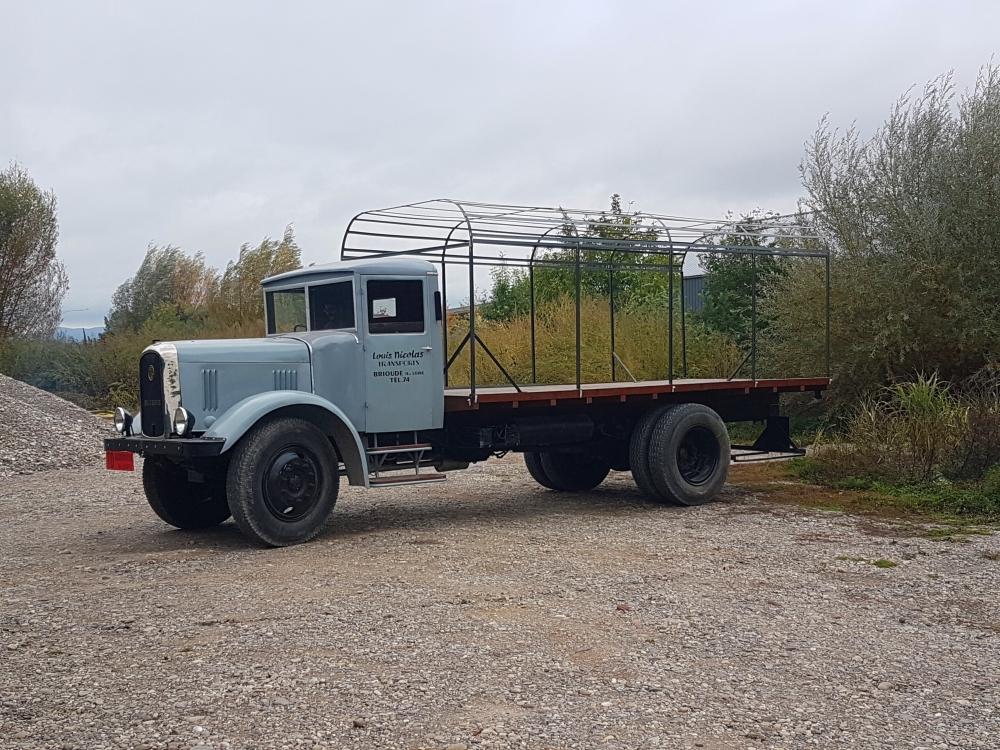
(211, 124)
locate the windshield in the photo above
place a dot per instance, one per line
(286, 310)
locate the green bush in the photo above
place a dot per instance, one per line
(911, 215)
(919, 432)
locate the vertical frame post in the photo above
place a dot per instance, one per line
(684, 343)
(611, 294)
(670, 318)
(670, 305)
(829, 353)
(753, 314)
(579, 371)
(444, 312)
(472, 304)
(472, 324)
(444, 297)
(531, 298)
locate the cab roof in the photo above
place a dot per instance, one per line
(370, 266)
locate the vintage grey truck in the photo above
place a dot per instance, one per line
(351, 380)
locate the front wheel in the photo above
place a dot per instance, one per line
(181, 502)
(283, 482)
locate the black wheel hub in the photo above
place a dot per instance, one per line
(291, 484)
(698, 455)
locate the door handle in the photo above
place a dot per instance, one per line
(427, 348)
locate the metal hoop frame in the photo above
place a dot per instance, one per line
(490, 234)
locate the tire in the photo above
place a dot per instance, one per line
(181, 502)
(574, 472)
(689, 455)
(533, 460)
(638, 451)
(283, 482)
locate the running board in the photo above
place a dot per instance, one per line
(406, 479)
(389, 449)
(386, 458)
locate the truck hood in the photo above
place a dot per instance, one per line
(243, 351)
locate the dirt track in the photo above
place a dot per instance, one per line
(487, 612)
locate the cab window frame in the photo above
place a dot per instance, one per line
(270, 324)
(374, 327)
(349, 280)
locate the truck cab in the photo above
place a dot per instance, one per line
(352, 351)
(373, 330)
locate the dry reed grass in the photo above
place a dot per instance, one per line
(641, 342)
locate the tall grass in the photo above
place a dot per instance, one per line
(920, 431)
(641, 342)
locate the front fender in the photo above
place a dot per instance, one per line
(238, 419)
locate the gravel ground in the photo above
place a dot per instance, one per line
(486, 612)
(39, 431)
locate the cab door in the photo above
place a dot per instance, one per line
(404, 379)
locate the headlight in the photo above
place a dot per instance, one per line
(123, 421)
(182, 421)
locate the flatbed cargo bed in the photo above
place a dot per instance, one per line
(460, 399)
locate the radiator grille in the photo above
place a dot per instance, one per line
(151, 394)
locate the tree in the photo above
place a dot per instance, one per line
(240, 296)
(733, 279)
(167, 277)
(509, 294)
(912, 216)
(32, 280)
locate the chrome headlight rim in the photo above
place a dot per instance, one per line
(122, 420)
(182, 421)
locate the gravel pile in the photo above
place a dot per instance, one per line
(488, 613)
(39, 431)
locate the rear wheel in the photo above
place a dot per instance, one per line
(689, 455)
(283, 482)
(639, 451)
(533, 460)
(181, 502)
(573, 472)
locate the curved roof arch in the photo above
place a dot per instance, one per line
(451, 230)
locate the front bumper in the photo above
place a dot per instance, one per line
(176, 447)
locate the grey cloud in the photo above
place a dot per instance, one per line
(212, 124)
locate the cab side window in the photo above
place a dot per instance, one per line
(395, 306)
(286, 310)
(331, 306)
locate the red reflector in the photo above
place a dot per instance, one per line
(119, 460)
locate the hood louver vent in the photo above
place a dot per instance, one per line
(210, 388)
(286, 380)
